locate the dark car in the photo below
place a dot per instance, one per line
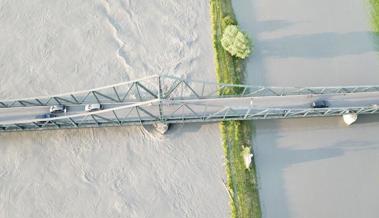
(44, 116)
(320, 104)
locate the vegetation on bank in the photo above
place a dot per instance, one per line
(375, 15)
(235, 42)
(374, 11)
(236, 135)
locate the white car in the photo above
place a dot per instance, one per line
(58, 109)
(93, 107)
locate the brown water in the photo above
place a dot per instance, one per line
(314, 167)
(49, 47)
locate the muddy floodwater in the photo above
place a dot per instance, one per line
(314, 167)
(50, 47)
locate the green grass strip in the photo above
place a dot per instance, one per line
(375, 15)
(374, 11)
(236, 135)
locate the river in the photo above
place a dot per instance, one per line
(50, 47)
(315, 167)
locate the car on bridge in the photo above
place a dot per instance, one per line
(44, 116)
(58, 109)
(93, 107)
(320, 104)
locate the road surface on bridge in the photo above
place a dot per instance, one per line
(200, 108)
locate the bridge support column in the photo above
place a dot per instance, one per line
(162, 128)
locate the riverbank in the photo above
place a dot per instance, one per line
(374, 9)
(236, 135)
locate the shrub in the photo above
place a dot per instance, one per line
(235, 42)
(228, 20)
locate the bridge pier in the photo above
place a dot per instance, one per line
(161, 127)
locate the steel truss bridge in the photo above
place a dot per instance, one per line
(167, 99)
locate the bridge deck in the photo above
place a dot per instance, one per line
(176, 110)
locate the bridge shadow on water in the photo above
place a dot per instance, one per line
(281, 145)
(276, 39)
(319, 45)
(366, 119)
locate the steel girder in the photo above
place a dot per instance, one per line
(168, 87)
(162, 99)
(148, 113)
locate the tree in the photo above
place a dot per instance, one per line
(235, 42)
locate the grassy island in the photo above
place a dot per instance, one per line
(236, 135)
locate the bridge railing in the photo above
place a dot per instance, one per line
(174, 88)
(132, 91)
(148, 113)
(205, 89)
